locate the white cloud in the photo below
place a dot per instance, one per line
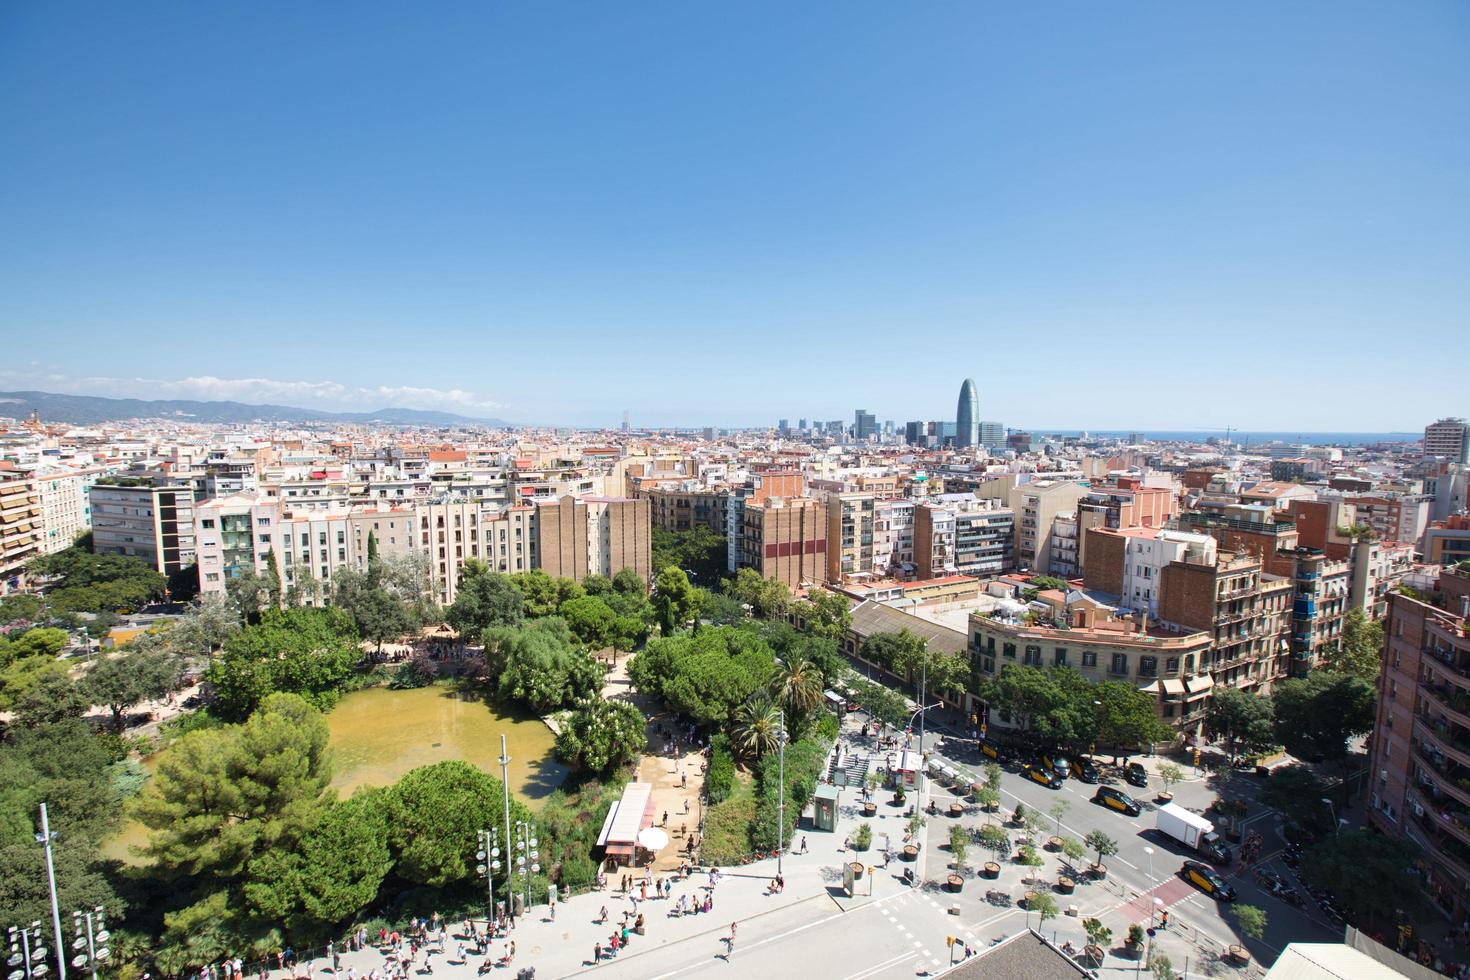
(325, 395)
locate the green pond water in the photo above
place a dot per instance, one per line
(378, 734)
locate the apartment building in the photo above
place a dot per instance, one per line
(1066, 547)
(66, 507)
(1244, 611)
(1447, 542)
(1321, 589)
(1035, 506)
(1101, 644)
(785, 539)
(580, 536)
(1421, 738)
(1128, 503)
(1130, 563)
(956, 534)
(1449, 438)
(850, 549)
(683, 508)
(149, 521)
(20, 526)
(893, 538)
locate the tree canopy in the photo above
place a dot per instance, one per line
(699, 551)
(704, 675)
(601, 736)
(433, 813)
(675, 600)
(484, 599)
(1361, 651)
(1317, 714)
(1243, 720)
(310, 652)
(120, 682)
(541, 665)
(766, 597)
(1371, 874)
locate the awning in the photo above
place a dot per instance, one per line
(1172, 686)
(652, 839)
(1152, 687)
(622, 850)
(1200, 684)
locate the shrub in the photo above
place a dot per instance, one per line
(721, 775)
(863, 839)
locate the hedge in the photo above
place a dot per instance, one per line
(721, 775)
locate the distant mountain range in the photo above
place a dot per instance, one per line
(91, 409)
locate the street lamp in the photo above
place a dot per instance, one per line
(528, 854)
(90, 933)
(44, 838)
(781, 739)
(489, 857)
(27, 958)
(1335, 822)
(1150, 852)
(510, 904)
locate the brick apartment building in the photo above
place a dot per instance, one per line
(1421, 739)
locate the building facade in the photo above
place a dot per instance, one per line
(1449, 438)
(20, 526)
(154, 523)
(967, 419)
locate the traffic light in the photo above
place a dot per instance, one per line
(949, 940)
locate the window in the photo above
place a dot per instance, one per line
(263, 521)
(1172, 665)
(265, 539)
(207, 523)
(1120, 663)
(1009, 651)
(1060, 657)
(1148, 666)
(211, 576)
(1089, 659)
(1033, 654)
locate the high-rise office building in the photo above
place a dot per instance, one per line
(967, 423)
(992, 435)
(1449, 438)
(864, 424)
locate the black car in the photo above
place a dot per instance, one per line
(1136, 775)
(1057, 763)
(1085, 771)
(1116, 799)
(1207, 880)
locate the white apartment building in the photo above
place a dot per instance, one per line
(893, 538)
(66, 507)
(1147, 552)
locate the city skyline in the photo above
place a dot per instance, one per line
(394, 209)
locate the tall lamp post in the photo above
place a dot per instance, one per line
(781, 739)
(510, 904)
(527, 853)
(44, 839)
(91, 931)
(489, 857)
(27, 958)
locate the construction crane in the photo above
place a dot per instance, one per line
(1215, 428)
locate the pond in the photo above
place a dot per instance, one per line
(378, 734)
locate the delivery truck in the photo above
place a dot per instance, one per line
(1193, 831)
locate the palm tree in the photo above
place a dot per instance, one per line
(756, 723)
(797, 686)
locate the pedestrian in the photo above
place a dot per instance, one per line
(683, 782)
(602, 915)
(666, 819)
(597, 952)
(803, 844)
(1164, 919)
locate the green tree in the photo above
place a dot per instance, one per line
(826, 614)
(796, 686)
(484, 599)
(1098, 934)
(1243, 720)
(120, 682)
(703, 675)
(1101, 844)
(1296, 793)
(1126, 719)
(881, 703)
(433, 813)
(1169, 775)
(699, 551)
(1252, 920)
(253, 593)
(629, 583)
(372, 550)
(27, 660)
(543, 594)
(591, 620)
(333, 872)
(1317, 714)
(54, 697)
(767, 598)
(1073, 850)
(755, 727)
(675, 599)
(1371, 874)
(601, 736)
(378, 615)
(1044, 904)
(1055, 703)
(201, 631)
(541, 666)
(311, 652)
(959, 842)
(1361, 651)
(221, 797)
(19, 608)
(720, 609)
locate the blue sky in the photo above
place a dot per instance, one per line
(1110, 215)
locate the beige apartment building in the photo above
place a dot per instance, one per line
(1036, 505)
(154, 523)
(849, 536)
(581, 536)
(20, 525)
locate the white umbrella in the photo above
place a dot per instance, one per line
(652, 839)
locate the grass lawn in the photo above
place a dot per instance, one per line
(727, 827)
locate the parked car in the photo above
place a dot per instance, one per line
(1116, 799)
(1084, 770)
(1207, 880)
(991, 750)
(1136, 775)
(1043, 776)
(1057, 763)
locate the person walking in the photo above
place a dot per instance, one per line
(597, 952)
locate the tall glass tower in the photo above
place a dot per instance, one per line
(967, 420)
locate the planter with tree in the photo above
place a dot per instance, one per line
(1044, 905)
(857, 869)
(959, 844)
(956, 809)
(1252, 922)
(899, 796)
(1018, 817)
(1105, 847)
(989, 799)
(1031, 860)
(1098, 938)
(1133, 945)
(1169, 775)
(863, 839)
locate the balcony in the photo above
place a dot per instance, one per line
(1443, 660)
(1438, 734)
(1442, 776)
(1445, 818)
(1452, 701)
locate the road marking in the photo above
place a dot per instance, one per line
(918, 944)
(876, 968)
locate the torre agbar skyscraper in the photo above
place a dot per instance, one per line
(967, 419)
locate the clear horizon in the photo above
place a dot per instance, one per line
(1162, 217)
